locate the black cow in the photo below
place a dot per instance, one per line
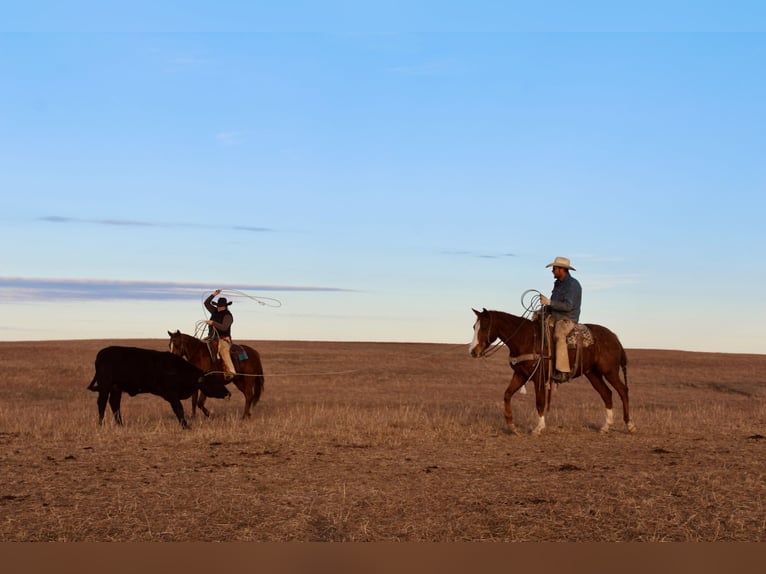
(134, 371)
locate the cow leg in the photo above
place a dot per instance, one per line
(194, 398)
(115, 398)
(201, 404)
(516, 383)
(178, 409)
(198, 402)
(103, 398)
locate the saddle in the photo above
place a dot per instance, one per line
(237, 352)
(578, 338)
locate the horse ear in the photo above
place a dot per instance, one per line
(178, 331)
(483, 309)
(475, 311)
(170, 334)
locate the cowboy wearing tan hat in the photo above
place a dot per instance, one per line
(564, 307)
(220, 322)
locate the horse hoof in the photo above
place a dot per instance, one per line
(604, 430)
(631, 428)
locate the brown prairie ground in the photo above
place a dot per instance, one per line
(384, 442)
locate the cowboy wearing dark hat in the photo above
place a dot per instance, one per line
(220, 326)
(564, 307)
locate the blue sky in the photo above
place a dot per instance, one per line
(381, 168)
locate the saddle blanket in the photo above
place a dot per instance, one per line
(582, 332)
(238, 351)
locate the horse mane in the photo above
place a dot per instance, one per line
(507, 315)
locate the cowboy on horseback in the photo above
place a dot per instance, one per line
(564, 307)
(220, 327)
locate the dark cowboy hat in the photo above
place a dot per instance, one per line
(222, 302)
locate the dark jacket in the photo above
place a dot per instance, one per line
(566, 299)
(222, 320)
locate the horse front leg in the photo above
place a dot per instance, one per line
(540, 388)
(516, 383)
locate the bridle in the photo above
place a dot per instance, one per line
(489, 350)
(541, 381)
(182, 349)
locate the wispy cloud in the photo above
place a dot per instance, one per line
(16, 289)
(135, 223)
(479, 254)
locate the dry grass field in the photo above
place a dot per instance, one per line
(384, 442)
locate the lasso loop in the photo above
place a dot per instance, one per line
(200, 329)
(260, 299)
(534, 301)
(233, 294)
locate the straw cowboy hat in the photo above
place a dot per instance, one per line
(561, 262)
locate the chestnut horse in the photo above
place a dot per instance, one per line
(249, 378)
(530, 358)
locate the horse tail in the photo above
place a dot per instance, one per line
(260, 383)
(260, 379)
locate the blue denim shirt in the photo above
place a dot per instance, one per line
(566, 299)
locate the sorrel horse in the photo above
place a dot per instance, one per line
(249, 378)
(530, 359)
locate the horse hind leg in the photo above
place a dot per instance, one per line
(606, 395)
(608, 422)
(622, 390)
(247, 390)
